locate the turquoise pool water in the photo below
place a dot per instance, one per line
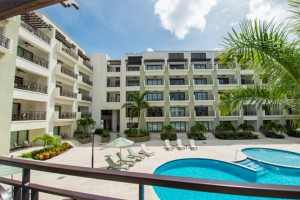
(218, 170)
(274, 156)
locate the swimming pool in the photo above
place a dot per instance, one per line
(219, 170)
(274, 156)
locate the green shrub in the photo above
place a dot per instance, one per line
(144, 132)
(290, 131)
(99, 131)
(78, 132)
(271, 134)
(105, 134)
(136, 133)
(198, 128)
(168, 136)
(235, 135)
(196, 136)
(168, 129)
(225, 126)
(246, 127)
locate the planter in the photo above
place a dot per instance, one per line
(139, 139)
(105, 139)
(85, 140)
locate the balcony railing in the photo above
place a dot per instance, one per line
(133, 83)
(180, 98)
(180, 113)
(29, 115)
(36, 32)
(88, 65)
(177, 60)
(27, 187)
(247, 82)
(69, 52)
(67, 115)
(155, 83)
(113, 99)
(87, 81)
(204, 98)
(67, 93)
(86, 115)
(23, 53)
(4, 42)
(292, 112)
(132, 69)
(201, 67)
(183, 67)
(185, 82)
(155, 99)
(273, 112)
(86, 97)
(155, 114)
(31, 86)
(201, 82)
(230, 81)
(235, 113)
(113, 69)
(113, 84)
(68, 72)
(204, 113)
(250, 113)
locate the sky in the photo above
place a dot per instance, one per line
(116, 27)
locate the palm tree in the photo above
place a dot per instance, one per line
(46, 139)
(272, 51)
(137, 105)
(85, 124)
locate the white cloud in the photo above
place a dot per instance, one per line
(264, 10)
(149, 49)
(179, 16)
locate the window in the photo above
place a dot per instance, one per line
(153, 67)
(179, 81)
(177, 96)
(18, 137)
(200, 66)
(177, 66)
(154, 82)
(155, 97)
(198, 56)
(155, 112)
(201, 96)
(177, 56)
(177, 111)
(132, 125)
(201, 110)
(223, 80)
(133, 83)
(200, 81)
(154, 126)
(179, 126)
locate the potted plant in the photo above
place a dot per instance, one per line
(168, 133)
(105, 137)
(84, 125)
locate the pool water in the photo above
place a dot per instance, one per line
(275, 156)
(218, 170)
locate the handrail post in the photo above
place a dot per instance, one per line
(25, 182)
(141, 192)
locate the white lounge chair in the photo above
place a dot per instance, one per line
(129, 161)
(168, 146)
(179, 145)
(192, 145)
(135, 155)
(146, 151)
(114, 165)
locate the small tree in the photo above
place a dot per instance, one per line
(84, 124)
(246, 127)
(46, 139)
(198, 128)
(169, 132)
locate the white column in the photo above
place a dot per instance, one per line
(114, 120)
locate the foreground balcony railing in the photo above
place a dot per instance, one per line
(31, 86)
(67, 115)
(69, 52)
(23, 53)
(26, 190)
(67, 93)
(36, 32)
(86, 115)
(29, 115)
(88, 65)
(87, 81)
(4, 42)
(86, 97)
(68, 72)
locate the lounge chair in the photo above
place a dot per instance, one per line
(135, 155)
(168, 146)
(146, 151)
(179, 145)
(192, 145)
(26, 144)
(129, 161)
(113, 165)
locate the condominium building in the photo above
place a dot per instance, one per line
(46, 80)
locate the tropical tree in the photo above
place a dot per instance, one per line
(272, 51)
(85, 124)
(198, 128)
(137, 105)
(46, 140)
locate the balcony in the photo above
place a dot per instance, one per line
(204, 99)
(132, 83)
(178, 69)
(152, 116)
(29, 115)
(154, 86)
(250, 115)
(86, 97)
(272, 114)
(5, 44)
(230, 116)
(86, 115)
(113, 69)
(36, 32)
(179, 100)
(31, 86)
(67, 93)
(224, 70)
(113, 99)
(199, 69)
(68, 73)
(203, 84)
(247, 82)
(27, 55)
(62, 49)
(87, 81)
(185, 114)
(67, 115)
(227, 84)
(205, 115)
(179, 85)
(88, 65)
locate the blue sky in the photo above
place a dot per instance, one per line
(116, 27)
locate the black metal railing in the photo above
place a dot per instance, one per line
(67, 93)
(180, 113)
(86, 97)
(132, 69)
(134, 62)
(113, 69)
(155, 99)
(31, 86)
(36, 32)
(229, 81)
(4, 41)
(26, 190)
(247, 82)
(204, 113)
(250, 113)
(133, 83)
(23, 53)
(69, 52)
(179, 98)
(201, 82)
(155, 114)
(86, 115)
(113, 99)
(150, 83)
(177, 60)
(178, 67)
(67, 115)
(235, 113)
(29, 115)
(68, 72)
(185, 82)
(87, 81)
(200, 67)
(204, 98)
(273, 112)
(113, 84)
(88, 65)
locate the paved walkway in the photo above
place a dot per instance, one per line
(80, 155)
